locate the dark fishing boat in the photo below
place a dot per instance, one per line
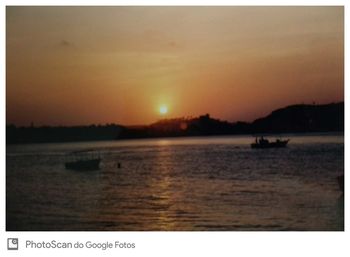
(263, 143)
(83, 160)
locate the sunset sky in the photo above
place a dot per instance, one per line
(136, 65)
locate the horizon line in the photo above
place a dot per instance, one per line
(31, 125)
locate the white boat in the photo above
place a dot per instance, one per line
(83, 160)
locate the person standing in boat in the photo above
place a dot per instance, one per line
(262, 140)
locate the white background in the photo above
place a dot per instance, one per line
(177, 243)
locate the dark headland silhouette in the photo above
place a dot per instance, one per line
(300, 118)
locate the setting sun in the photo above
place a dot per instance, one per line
(163, 110)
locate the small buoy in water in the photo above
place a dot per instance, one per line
(119, 165)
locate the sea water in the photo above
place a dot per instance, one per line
(171, 184)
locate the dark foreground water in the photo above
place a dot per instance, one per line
(215, 183)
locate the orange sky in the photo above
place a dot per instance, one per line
(84, 65)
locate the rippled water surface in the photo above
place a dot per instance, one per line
(214, 183)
